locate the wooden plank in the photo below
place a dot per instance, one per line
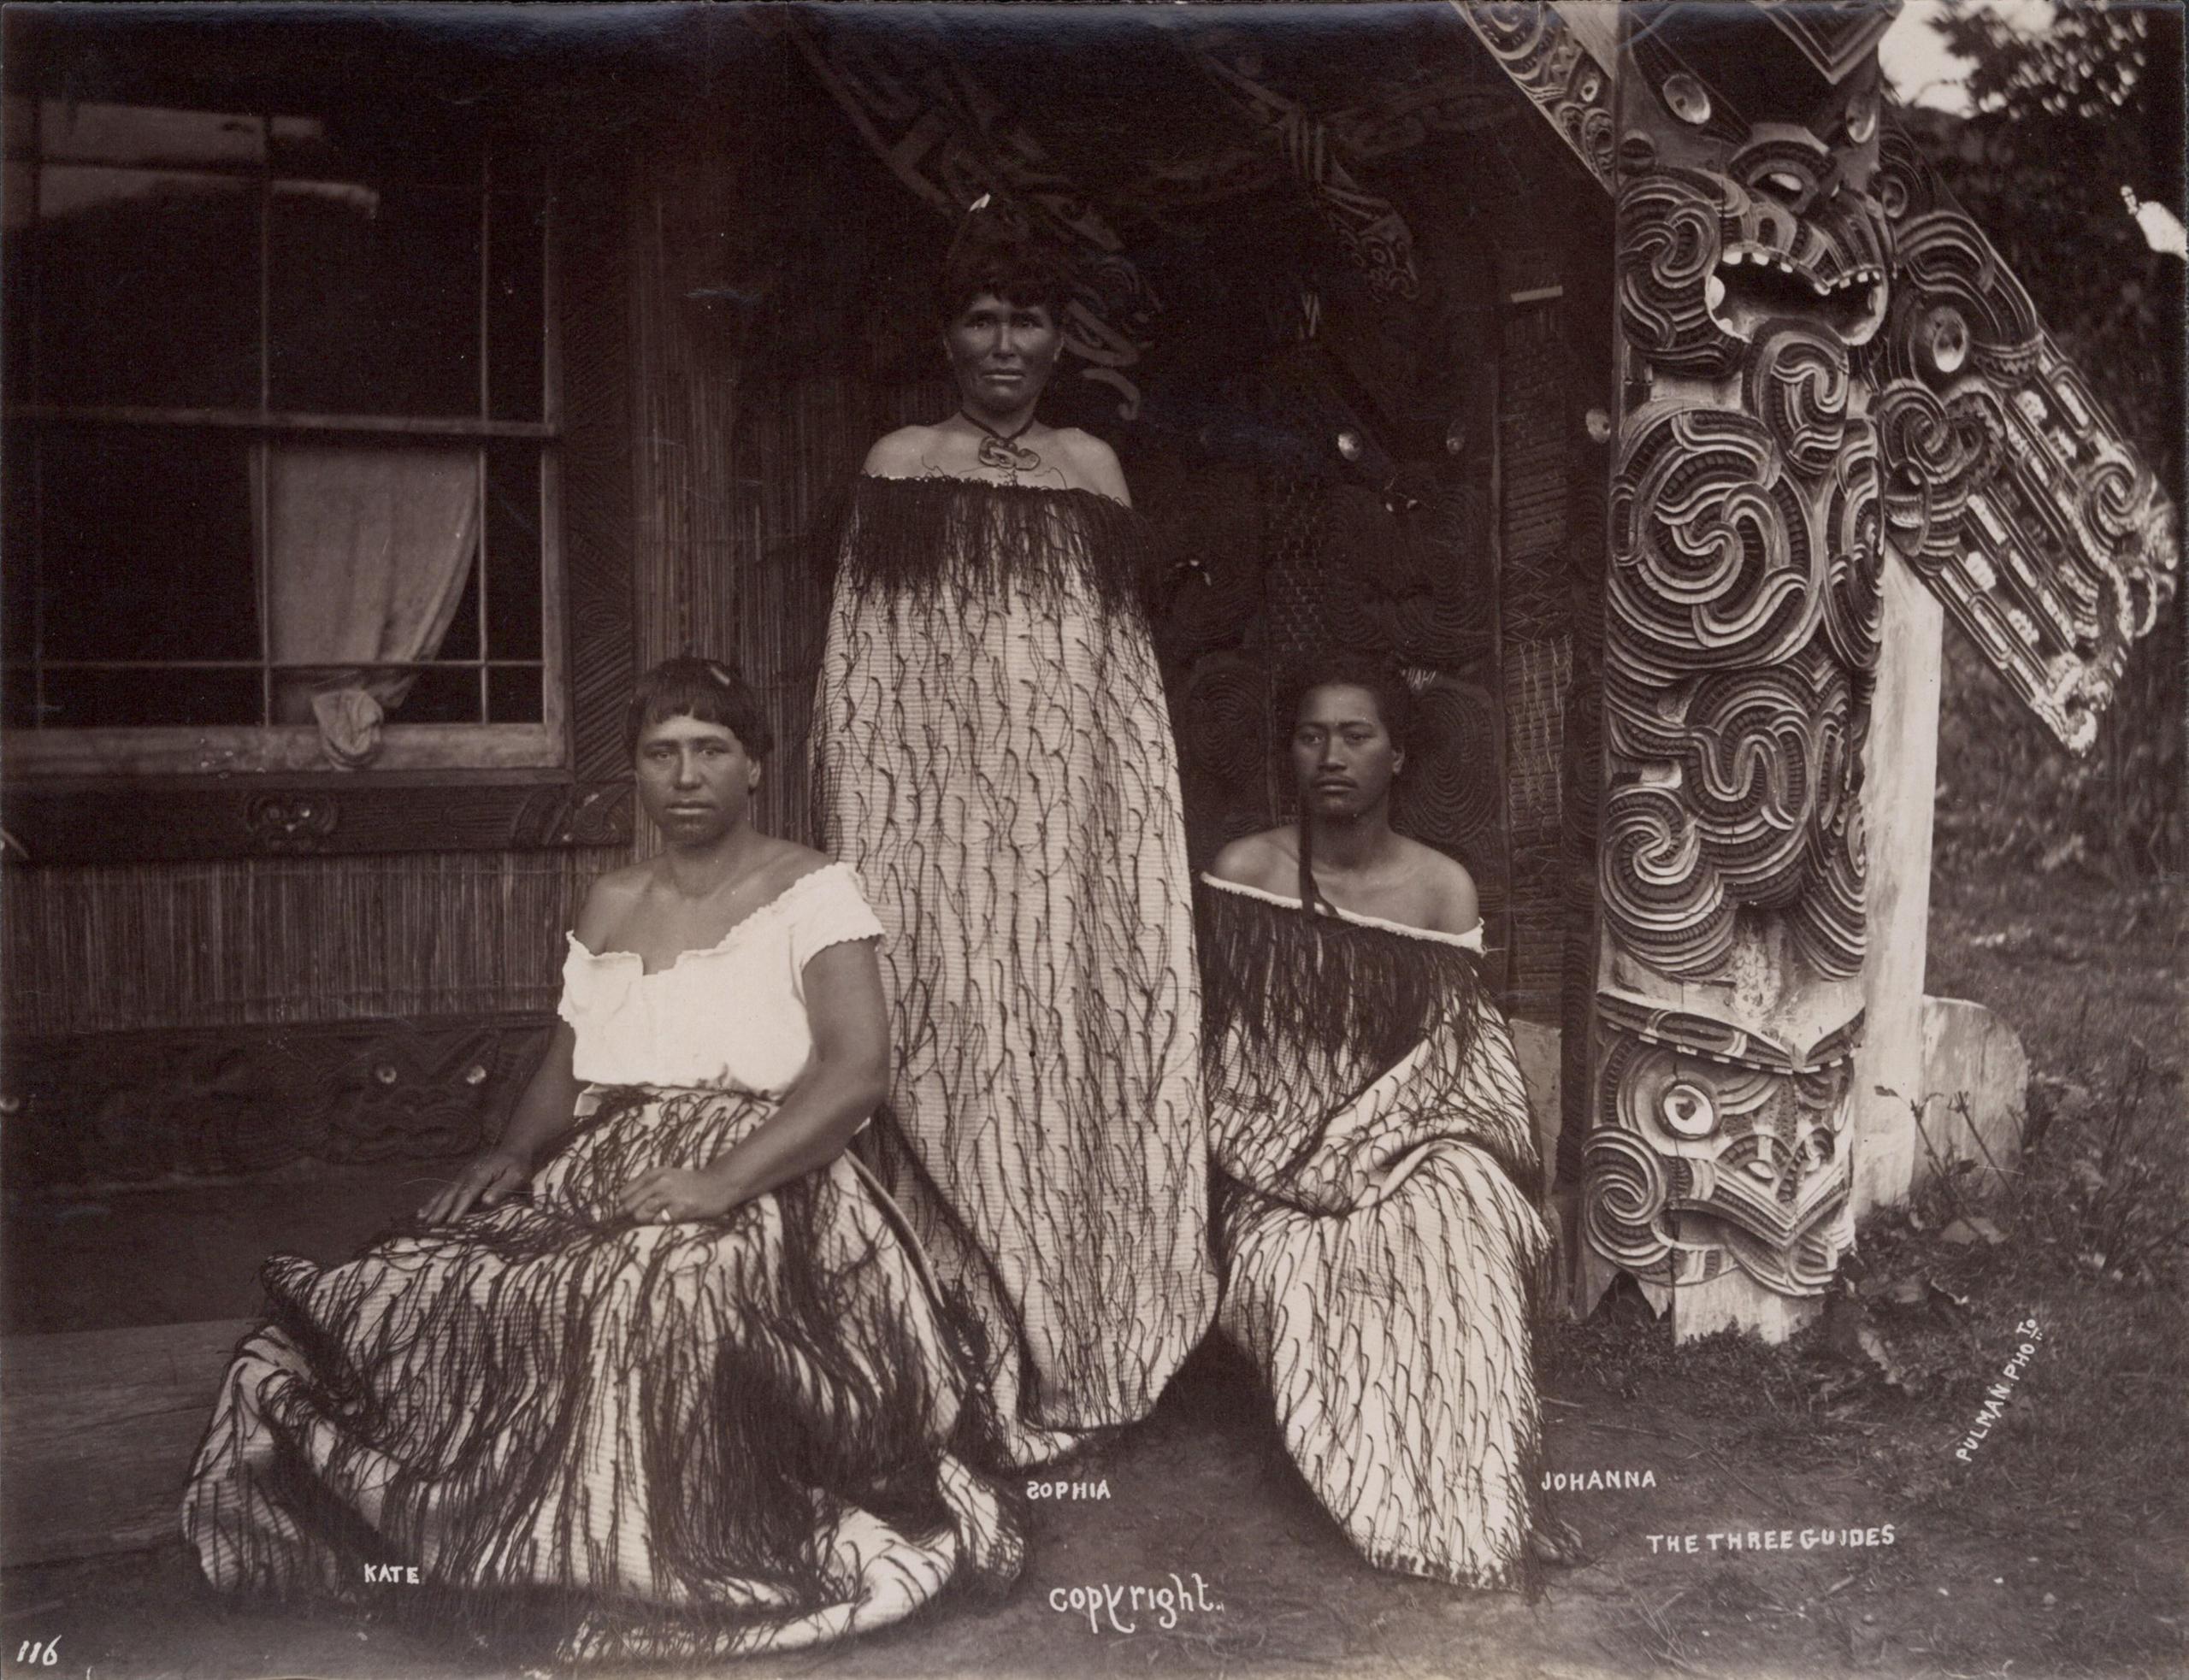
(271, 420)
(97, 1429)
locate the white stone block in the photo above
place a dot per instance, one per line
(1970, 1052)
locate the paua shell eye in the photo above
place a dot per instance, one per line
(1943, 338)
(1686, 98)
(1862, 116)
(1687, 1110)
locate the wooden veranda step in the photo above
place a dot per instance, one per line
(97, 1429)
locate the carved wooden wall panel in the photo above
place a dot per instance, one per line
(1735, 1128)
(126, 1107)
(1551, 236)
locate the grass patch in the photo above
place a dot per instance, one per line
(2059, 1536)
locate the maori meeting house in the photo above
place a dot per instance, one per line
(1622, 370)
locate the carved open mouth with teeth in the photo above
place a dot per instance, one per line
(1752, 284)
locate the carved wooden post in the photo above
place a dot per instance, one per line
(1832, 390)
(1740, 646)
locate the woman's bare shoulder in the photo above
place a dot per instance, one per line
(1094, 464)
(1267, 861)
(611, 898)
(788, 862)
(903, 453)
(1454, 906)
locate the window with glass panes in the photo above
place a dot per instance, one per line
(279, 480)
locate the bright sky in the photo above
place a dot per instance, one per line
(1923, 73)
(1915, 57)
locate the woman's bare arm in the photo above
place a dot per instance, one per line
(846, 1081)
(544, 1111)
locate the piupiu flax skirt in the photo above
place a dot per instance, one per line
(610, 1440)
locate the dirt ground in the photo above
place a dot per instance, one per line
(1203, 1490)
(2028, 1559)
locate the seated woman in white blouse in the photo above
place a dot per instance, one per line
(658, 1377)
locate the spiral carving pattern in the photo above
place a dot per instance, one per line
(1625, 1211)
(2111, 501)
(1854, 548)
(1713, 561)
(1451, 781)
(1223, 707)
(1450, 628)
(1797, 385)
(1941, 452)
(1668, 249)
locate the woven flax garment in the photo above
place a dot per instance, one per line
(597, 1440)
(993, 755)
(1371, 1135)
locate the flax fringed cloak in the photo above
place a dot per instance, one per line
(994, 754)
(1371, 1135)
(600, 1441)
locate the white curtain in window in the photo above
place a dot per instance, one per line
(366, 554)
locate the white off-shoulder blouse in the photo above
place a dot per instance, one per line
(730, 1017)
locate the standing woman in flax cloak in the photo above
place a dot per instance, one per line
(1372, 1137)
(993, 756)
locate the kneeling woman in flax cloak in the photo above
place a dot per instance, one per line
(657, 1376)
(1371, 1135)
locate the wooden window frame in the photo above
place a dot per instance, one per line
(565, 781)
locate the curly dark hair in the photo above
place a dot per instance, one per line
(688, 686)
(1395, 704)
(991, 258)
